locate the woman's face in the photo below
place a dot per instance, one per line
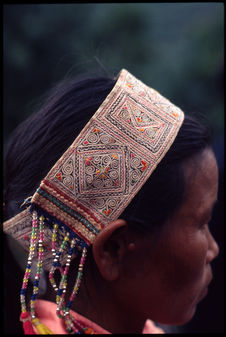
(172, 276)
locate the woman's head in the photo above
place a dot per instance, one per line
(39, 142)
(164, 277)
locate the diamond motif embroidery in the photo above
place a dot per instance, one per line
(101, 171)
(140, 120)
(143, 122)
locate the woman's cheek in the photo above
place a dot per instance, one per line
(188, 264)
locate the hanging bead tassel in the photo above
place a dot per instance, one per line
(63, 283)
(41, 328)
(56, 260)
(25, 317)
(56, 264)
(27, 326)
(71, 324)
(39, 266)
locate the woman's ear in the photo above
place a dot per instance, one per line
(109, 248)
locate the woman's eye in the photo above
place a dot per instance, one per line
(204, 223)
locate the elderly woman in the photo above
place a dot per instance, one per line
(119, 187)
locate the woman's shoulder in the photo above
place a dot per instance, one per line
(46, 312)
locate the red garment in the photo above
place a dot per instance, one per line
(46, 312)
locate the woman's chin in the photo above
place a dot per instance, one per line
(179, 320)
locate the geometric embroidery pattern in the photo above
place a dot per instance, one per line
(111, 159)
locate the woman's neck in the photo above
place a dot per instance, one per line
(98, 302)
(101, 307)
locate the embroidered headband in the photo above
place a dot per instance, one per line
(97, 176)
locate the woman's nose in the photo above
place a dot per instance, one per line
(213, 249)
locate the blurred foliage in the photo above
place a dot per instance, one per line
(177, 48)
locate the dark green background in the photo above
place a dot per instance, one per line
(176, 48)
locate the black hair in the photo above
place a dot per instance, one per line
(165, 190)
(41, 139)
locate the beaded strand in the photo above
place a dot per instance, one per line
(56, 256)
(33, 243)
(25, 316)
(54, 267)
(78, 328)
(63, 283)
(78, 279)
(39, 266)
(72, 326)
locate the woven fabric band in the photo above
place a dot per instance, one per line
(109, 161)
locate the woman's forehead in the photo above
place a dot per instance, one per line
(201, 182)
